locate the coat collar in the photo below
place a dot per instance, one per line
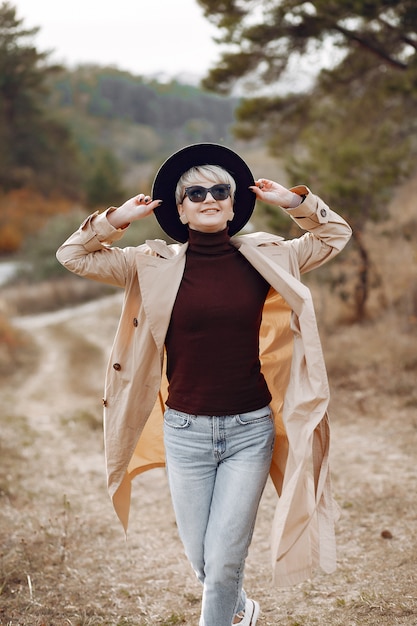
(164, 250)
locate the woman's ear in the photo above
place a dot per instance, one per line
(183, 217)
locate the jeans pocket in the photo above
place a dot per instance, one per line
(176, 419)
(255, 417)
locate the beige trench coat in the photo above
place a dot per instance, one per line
(291, 357)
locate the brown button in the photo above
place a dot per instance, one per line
(104, 402)
(135, 321)
(117, 367)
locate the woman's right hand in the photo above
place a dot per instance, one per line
(133, 209)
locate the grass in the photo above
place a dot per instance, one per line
(83, 419)
(28, 298)
(59, 564)
(17, 350)
(174, 619)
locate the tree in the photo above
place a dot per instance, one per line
(35, 149)
(104, 184)
(262, 36)
(352, 133)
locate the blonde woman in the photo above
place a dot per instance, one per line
(216, 370)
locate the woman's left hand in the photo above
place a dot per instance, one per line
(274, 193)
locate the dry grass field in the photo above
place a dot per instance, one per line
(63, 557)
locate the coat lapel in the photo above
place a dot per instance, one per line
(270, 261)
(159, 280)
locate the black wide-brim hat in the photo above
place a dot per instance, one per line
(177, 164)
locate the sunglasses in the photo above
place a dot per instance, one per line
(197, 193)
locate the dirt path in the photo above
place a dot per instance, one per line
(63, 557)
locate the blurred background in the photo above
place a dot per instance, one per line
(93, 98)
(91, 103)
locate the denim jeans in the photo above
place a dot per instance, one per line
(217, 469)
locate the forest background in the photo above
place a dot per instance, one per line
(74, 141)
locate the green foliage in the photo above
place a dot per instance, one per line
(266, 34)
(35, 149)
(353, 130)
(175, 113)
(87, 134)
(38, 260)
(351, 136)
(103, 186)
(354, 166)
(369, 96)
(276, 221)
(54, 122)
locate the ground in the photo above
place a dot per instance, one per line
(63, 556)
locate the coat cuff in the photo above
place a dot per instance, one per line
(96, 231)
(311, 212)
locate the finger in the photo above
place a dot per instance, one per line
(143, 199)
(150, 207)
(152, 204)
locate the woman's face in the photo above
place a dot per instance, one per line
(209, 215)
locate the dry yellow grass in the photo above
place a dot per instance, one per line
(63, 559)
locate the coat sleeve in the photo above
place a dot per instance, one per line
(327, 235)
(88, 252)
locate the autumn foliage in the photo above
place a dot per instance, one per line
(22, 213)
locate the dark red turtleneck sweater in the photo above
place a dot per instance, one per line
(213, 337)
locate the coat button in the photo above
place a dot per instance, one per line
(323, 212)
(104, 402)
(135, 321)
(117, 367)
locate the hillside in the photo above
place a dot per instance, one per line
(138, 119)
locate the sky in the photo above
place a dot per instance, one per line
(144, 37)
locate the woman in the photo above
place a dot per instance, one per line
(219, 335)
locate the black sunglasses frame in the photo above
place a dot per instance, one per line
(213, 190)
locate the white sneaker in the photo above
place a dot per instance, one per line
(251, 614)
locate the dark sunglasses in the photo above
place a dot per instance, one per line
(197, 193)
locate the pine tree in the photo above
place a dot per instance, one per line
(35, 149)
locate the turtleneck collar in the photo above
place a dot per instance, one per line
(209, 243)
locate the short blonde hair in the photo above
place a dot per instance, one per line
(214, 173)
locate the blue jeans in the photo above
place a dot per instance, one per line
(217, 469)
